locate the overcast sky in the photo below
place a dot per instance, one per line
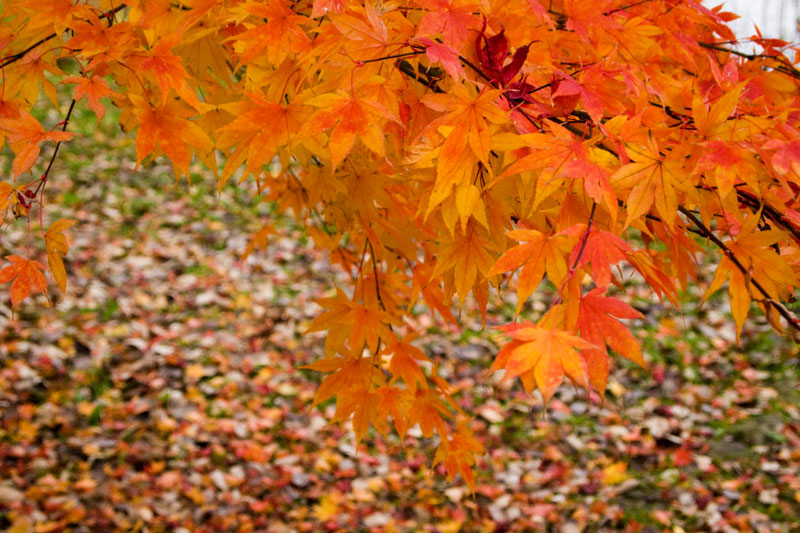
(775, 18)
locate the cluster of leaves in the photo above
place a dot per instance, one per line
(434, 147)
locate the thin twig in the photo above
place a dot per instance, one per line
(19, 55)
(585, 237)
(375, 272)
(784, 67)
(393, 56)
(43, 179)
(623, 8)
(767, 300)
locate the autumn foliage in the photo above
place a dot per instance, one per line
(440, 151)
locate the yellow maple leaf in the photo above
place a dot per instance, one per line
(541, 357)
(57, 247)
(542, 253)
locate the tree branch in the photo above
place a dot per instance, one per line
(767, 300)
(19, 55)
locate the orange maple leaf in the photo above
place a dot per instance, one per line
(261, 128)
(446, 55)
(541, 356)
(351, 118)
(27, 276)
(282, 33)
(467, 255)
(452, 19)
(102, 43)
(169, 71)
(602, 250)
(404, 363)
(752, 248)
(24, 135)
(93, 88)
(352, 384)
(168, 127)
(458, 454)
(351, 321)
(326, 7)
(597, 325)
(364, 40)
(542, 253)
(652, 178)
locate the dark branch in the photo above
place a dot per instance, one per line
(767, 300)
(19, 55)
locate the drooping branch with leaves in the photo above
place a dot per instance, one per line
(441, 150)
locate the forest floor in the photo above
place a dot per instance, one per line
(163, 392)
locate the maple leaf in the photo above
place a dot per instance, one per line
(53, 15)
(447, 56)
(365, 40)
(202, 56)
(169, 71)
(598, 326)
(570, 88)
(431, 291)
(349, 374)
(564, 95)
(351, 118)
(27, 277)
(452, 19)
(427, 409)
(259, 131)
(7, 196)
(542, 253)
(57, 248)
(711, 121)
(752, 249)
(655, 277)
(541, 357)
(29, 74)
(728, 164)
(282, 34)
(354, 322)
(467, 256)
(540, 12)
(466, 128)
(363, 405)
(352, 383)
(24, 135)
(404, 363)
(601, 250)
(167, 126)
(552, 159)
(94, 88)
(326, 7)
(492, 56)
(259, 240)
(396, 403)
(458, 454)
(100, 42)
(652, 178)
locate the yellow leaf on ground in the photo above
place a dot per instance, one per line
(615, 473)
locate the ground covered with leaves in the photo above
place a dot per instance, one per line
(163, 392)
